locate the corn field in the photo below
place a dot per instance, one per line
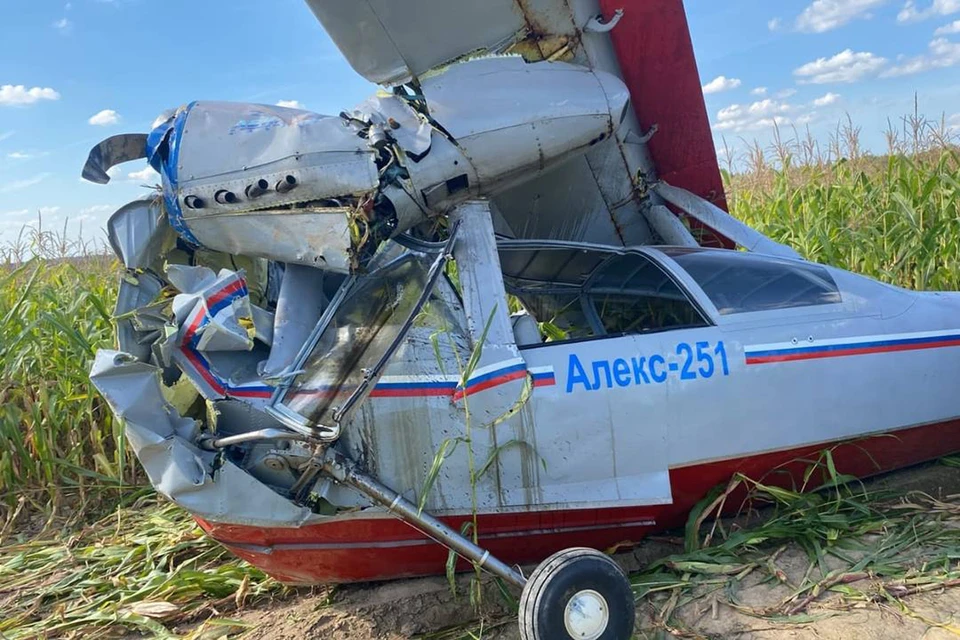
(64, 462)
(898, 221)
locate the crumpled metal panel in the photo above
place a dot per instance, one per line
(216, 330)
(136, 292)
(221, 300)
(564, 203)
(162, 440)
(223, 141)
(219, 154)
(410, 129)
(138, 230)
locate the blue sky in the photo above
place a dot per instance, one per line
(74, 73)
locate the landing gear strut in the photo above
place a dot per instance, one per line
(576, 594)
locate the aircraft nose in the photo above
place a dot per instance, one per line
(617, 94)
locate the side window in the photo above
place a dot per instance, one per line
(632, 294)
(560, 316)
(739, 282)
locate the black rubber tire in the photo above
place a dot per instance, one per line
(559, 578)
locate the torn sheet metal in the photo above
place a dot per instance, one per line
(410, 129)
(215, 319)
(719, 220)
(138, 231)
(138, 291)
(163, 441)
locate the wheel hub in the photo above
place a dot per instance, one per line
(586, 615)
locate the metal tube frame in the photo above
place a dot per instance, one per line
(345, 471)
(213, 443)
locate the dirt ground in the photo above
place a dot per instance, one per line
(425, 608)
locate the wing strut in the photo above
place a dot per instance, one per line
(716, 218)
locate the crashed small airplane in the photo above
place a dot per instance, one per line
(498, 301)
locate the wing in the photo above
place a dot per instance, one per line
(601, 197)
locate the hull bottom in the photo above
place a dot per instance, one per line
(383, 548)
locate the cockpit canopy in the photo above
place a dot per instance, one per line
(577, 291)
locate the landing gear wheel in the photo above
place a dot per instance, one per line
(577, 594)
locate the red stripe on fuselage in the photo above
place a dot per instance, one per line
(853, 351)
(492, 382)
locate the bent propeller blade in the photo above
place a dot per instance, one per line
(111, 152)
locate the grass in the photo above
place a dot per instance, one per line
(59, 437)
(861, 546)
(147, 567)
(895, 218)
(136, 562)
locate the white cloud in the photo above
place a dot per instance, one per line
(19, 213)
(19, 95)
(104, 118)
(846, 66)
(786, 93)
(26, 183)
(824, 15)
(826, 100)
(953, 123)
(146, 175)
(290, 104)
(942, 54)
(948, 29)
(113, 171)
(758, 115)
(759, 91)
(19, 155)
(6, 134)
(721, 83)
(910, 13)
(48, 211)
(774, 24)
(63, 25)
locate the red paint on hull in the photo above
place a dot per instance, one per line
(365, 549)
